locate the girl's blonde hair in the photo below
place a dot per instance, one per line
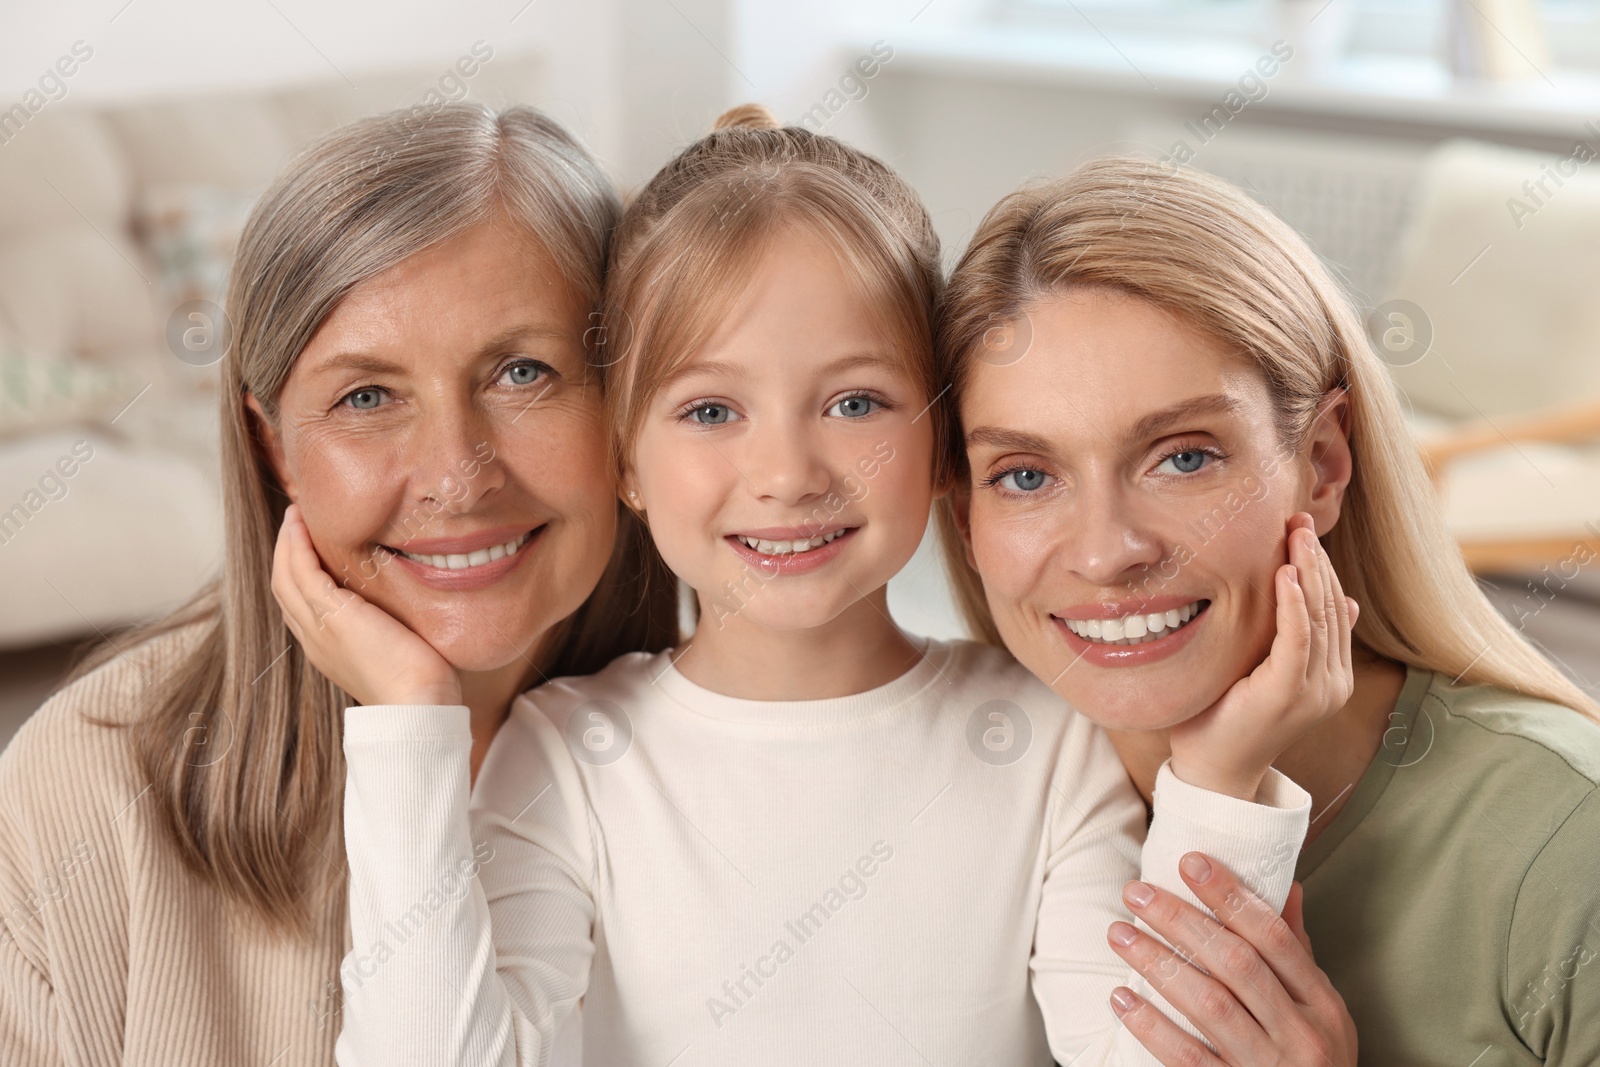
(693, 235)
(260, 822)
(1198, 247)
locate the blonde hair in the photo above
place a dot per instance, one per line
(692, 236)
(1198, 247)
(359, 201)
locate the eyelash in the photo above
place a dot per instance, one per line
(993, 480)
(520, 361)
(685, 413)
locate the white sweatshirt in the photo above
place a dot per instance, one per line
(921, 874)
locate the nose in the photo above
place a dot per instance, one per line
(783, 461)
(453, 458)
(1109, 539)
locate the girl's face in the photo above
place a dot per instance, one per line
(785, 470)
(447, 452)
(1129, 503)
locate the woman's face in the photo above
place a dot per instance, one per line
(1129, 504)
(445, 445)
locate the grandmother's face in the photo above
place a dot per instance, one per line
(445, 445)
(1129, 504)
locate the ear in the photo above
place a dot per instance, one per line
(271, 443)
(628, 493)
(1328, 452)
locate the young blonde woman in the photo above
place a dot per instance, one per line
(804, 836)
(1153, 373)
(409, 305)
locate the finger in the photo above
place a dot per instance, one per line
(1333, 603)
(1210, 1005)
(284, 589)
(1313, 580)
(1291, 646)
(1294, 914)
(1166, 1042)
(1229, 958)
(322, 594)
(1249, 917)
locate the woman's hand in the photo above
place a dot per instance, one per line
(1306, 677)
(360, 647)
(1248, 983)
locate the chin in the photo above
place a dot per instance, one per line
(1128, 706)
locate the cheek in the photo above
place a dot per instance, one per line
(1012, 550)
(346, 488)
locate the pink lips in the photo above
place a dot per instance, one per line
(794, 562)
(1146, 652)
(471, 578)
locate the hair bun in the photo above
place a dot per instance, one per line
(747, 117)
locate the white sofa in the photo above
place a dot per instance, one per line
(111, 218)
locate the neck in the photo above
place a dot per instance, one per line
(1327, 762)
(488, 696)
(858, 650)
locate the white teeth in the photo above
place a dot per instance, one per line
(1134, 629)
(787, 548)
(456, 561)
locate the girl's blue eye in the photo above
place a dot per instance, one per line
(853, 407)
(365, 399)
(524, 372)
(711, 414)
(1186, 462)
(1022, 481)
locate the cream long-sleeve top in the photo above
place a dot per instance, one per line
(922, 873)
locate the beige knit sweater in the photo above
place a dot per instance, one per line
(111, 951)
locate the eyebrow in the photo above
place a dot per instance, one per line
(721, 368)
(1152, 425)
(1160, 422)
(370, 363)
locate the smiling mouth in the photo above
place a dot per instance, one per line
(463, 561)
(789, 548)
(1136, 629)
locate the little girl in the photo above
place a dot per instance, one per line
(804, 836)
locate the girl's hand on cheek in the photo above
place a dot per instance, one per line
(1306, 677)
(360, 647)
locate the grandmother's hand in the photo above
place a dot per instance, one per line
(360, 647)
(1307, 677)
(1248, 983)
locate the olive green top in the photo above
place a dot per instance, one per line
(1455, 900)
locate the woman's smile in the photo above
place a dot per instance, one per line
(1112, 635)
(462, 564)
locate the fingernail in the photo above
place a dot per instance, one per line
(1123, 1000)
(1122, 934)
(1195, 867)
(1138, 894)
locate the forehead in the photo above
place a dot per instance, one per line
(802, 296)
(1096, 362)
(476, 284)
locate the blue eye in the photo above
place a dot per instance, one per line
(854, 407)
(1187, 461)
(711, 414)
(1020, 480)
(524, 372)
(364, 399)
